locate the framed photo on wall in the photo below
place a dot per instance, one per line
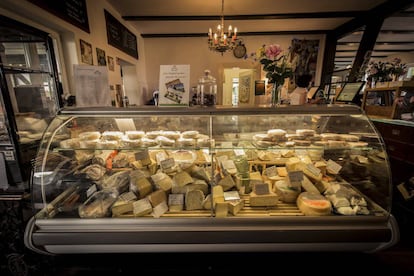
(101, 57)
(111, 63)
(86, 52)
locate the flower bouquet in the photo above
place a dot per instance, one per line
(276, 65)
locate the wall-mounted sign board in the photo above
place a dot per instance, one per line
(72, 11)
(120, 37)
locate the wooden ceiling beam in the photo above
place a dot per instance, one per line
(310, 15)
(170, 35)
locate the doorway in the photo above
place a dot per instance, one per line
(238, 86)
(129, 87)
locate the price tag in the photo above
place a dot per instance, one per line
(231, 195)
(314, 170)
(142, 155)
(261, 188)
(295, 176)
(167, 163)
(176, 199)
(333, 167)
(295, 179)
(239, 152)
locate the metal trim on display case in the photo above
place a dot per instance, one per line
(212, 234)
(335, 109)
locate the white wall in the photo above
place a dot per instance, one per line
(194, 51)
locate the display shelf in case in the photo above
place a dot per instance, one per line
(154, 179)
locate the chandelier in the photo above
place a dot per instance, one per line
(221, 40)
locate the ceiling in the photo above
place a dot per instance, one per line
(187, 18)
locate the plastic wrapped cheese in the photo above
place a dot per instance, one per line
(98, 205)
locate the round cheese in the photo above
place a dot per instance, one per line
(314, 204)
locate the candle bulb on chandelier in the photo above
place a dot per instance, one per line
(224, 38)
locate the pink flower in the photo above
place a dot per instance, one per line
(272, 51)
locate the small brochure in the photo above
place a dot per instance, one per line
(174, 85)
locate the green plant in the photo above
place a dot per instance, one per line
(385, 71)
(275, 63)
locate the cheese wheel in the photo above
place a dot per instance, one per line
(112, 135)
(89, 135)
(314, 204)
(134, 134)
(276, 132)
(305, 132)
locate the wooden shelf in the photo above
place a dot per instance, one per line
(388, 107)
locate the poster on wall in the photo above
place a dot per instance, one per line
(101, 57)
(111, 63)
(174, 85)
(304, 53)
(92, 86)
(86, 52)
(246, 80)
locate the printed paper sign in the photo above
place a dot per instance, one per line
(174, 85)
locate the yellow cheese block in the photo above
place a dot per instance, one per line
(221, 209)
(194, 200)
(270, 199)
(218, 194)
(142, 207)
(235, 206)
(157, 197)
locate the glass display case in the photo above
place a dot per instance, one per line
(153, 179)
(29, 97)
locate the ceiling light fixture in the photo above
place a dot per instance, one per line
(222, 41)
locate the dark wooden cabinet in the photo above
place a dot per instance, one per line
(399, 143)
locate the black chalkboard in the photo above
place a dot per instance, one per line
(120, 37)
(72, 11)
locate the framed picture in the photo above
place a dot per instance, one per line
(86, 52)
(101, 57)
(111, 63)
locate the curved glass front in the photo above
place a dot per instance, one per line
(212, 162)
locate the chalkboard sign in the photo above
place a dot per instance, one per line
(72, 11)
(120, 37)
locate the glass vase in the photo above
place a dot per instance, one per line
(276, 91)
